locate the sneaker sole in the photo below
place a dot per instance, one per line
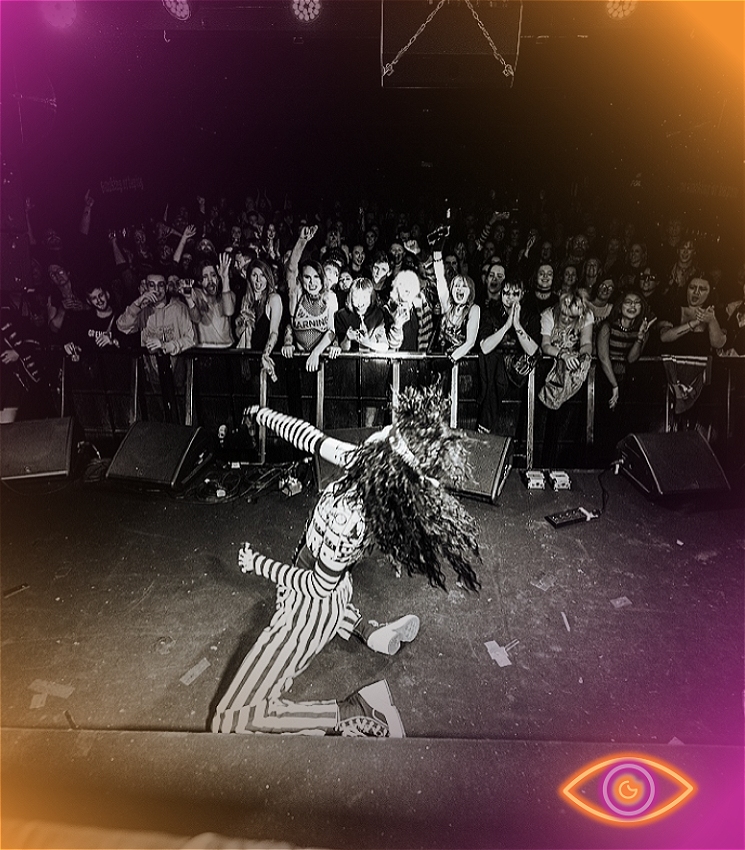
(405, 629)
(378, 697)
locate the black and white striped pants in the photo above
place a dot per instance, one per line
(299, 630)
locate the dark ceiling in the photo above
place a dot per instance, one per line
(243, 92)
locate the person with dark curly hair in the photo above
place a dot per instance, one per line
(390, 495)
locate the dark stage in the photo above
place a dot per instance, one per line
(135, 612)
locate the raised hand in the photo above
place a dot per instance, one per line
(224, 266)
(147, 298)
(439, 234)
(402, 315)
(308, 231)
(89, 200)
(190, 231)
(645, 326)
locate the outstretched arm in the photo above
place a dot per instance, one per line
(303, 435)
(443, 292)
(293, 265)
(304, 581)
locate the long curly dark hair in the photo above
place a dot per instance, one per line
(411, 515)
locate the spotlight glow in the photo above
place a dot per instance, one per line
(60, 14)
(180, 9)
(619, 9)
(306, 10)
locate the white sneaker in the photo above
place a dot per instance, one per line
(370, 713)
(389, 637)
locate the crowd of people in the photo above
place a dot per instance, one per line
(484, 281)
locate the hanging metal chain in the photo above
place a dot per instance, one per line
(508, 71)
(388, 69)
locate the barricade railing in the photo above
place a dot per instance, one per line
(209, 395)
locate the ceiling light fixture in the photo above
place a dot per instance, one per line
(619, 9)
(306, 10)
(60, 14)
(179, 9)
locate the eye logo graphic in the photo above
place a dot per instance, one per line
(627, 792)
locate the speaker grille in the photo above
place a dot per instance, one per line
(161, 454)
(671, 464)
(37, 449)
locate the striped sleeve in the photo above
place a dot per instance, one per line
(307, 582)
(298, 432)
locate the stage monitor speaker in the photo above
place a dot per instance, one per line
(162, 455)
(39, 448)
(673, 464)
(490, 457)
(326, 472)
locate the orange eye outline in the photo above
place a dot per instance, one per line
(688, 788)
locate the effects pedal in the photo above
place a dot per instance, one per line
(571, 517)
(560, 480)
(534, 479)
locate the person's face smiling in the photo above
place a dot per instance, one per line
(631, 307)
(545, 279)
(312, 282)
(459, 290)
(686, 252)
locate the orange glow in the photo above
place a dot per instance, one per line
(626, 787)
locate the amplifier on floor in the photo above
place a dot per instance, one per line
(490, 456)
(162, 455)
(38, 448)
(673, 464)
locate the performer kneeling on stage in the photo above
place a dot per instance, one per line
(389, 495)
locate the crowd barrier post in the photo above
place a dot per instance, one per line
(63, 387)
(396, 387)
(454, 388)
(530, 425)
(263, 402)
(189, 400)
(196, 395)
(320, 393)
(590, 420)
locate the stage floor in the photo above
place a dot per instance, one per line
(626, 631)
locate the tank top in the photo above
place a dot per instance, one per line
(310, 321)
